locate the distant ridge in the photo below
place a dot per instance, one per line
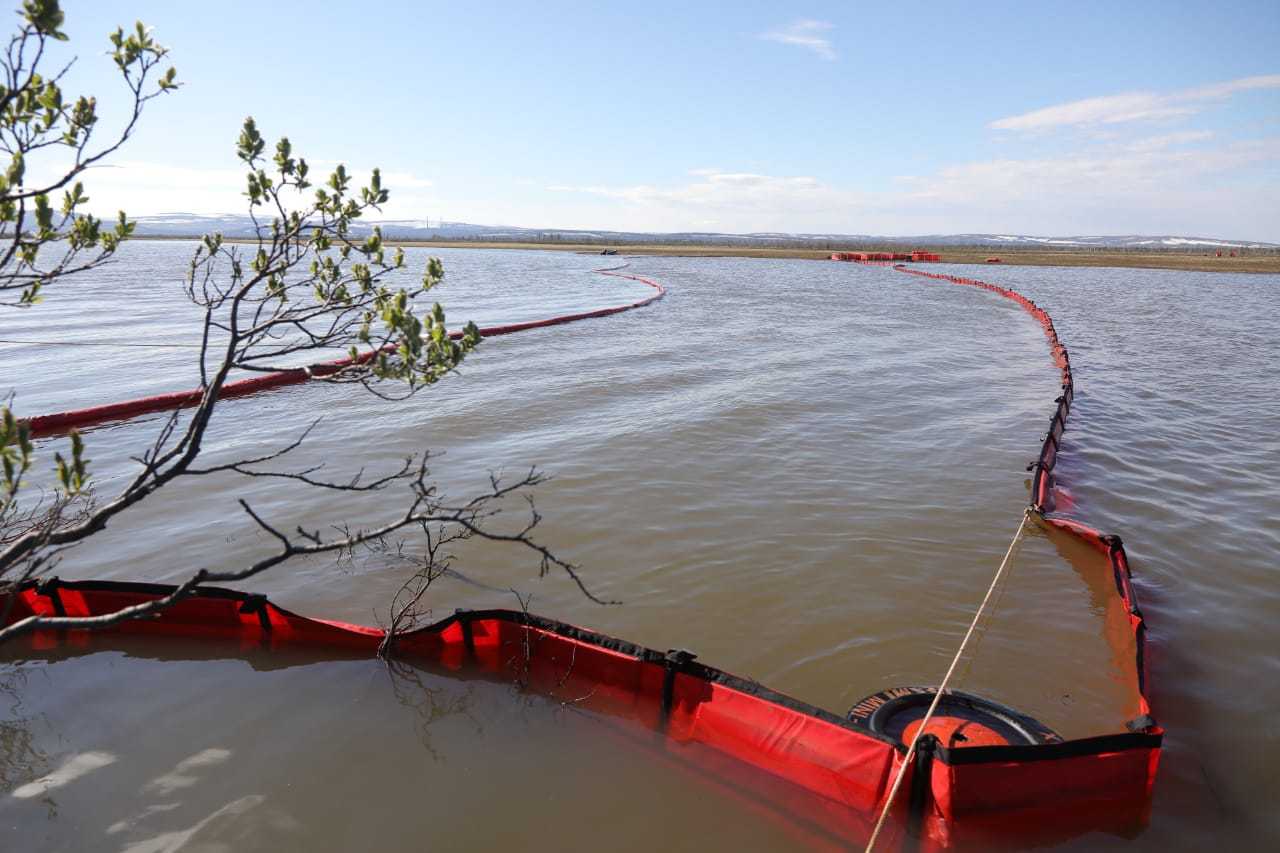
(194, 225)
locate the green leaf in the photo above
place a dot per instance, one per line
(249, 145)
(45, 16)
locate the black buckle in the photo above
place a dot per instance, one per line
(675, 660)
(49, 589)
(257, 603)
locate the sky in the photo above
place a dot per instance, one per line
(852, 117)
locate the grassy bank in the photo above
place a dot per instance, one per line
(1255, 262)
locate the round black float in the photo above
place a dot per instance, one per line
(961, 719)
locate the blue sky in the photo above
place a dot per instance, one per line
(1085, 118)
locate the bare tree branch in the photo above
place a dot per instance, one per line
(306, 284)
(441, 525)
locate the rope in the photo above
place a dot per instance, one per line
(933, 706)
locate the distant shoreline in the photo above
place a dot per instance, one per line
(1248, 261)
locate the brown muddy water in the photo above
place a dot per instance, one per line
(806, 472)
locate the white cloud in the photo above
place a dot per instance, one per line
(805, 33)
(1154, 143)
(1113, 174)
(1132, 106)
(1175, 183)
(1229, 88)
(393, 179)
(142, 188)
(1156, 186)
(405, 181)
(1188, 182)
(734, 198)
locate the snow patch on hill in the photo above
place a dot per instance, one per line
(195, 225)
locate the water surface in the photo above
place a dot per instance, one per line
(805, 472)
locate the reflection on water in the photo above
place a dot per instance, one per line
(22, 760)
(79, 764)
(192, 743)
(812, 490)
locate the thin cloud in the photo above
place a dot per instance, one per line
(1166, 184)
(1145, 171)
(808, 34)
(1156, 143)
(723, 191)
(146, 187)
(1132, 106)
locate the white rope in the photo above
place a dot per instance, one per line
(933, 706)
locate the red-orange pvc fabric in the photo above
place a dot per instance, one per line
(41, 425)
(1043, 480)
(822, 770)
(826, 771)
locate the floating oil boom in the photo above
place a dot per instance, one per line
(983, 776)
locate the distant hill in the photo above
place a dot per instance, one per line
(194, 225)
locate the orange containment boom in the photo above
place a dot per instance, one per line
(885, 258)
(828, 774)
(42, 425)
(823, 772)
(1043, 480)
